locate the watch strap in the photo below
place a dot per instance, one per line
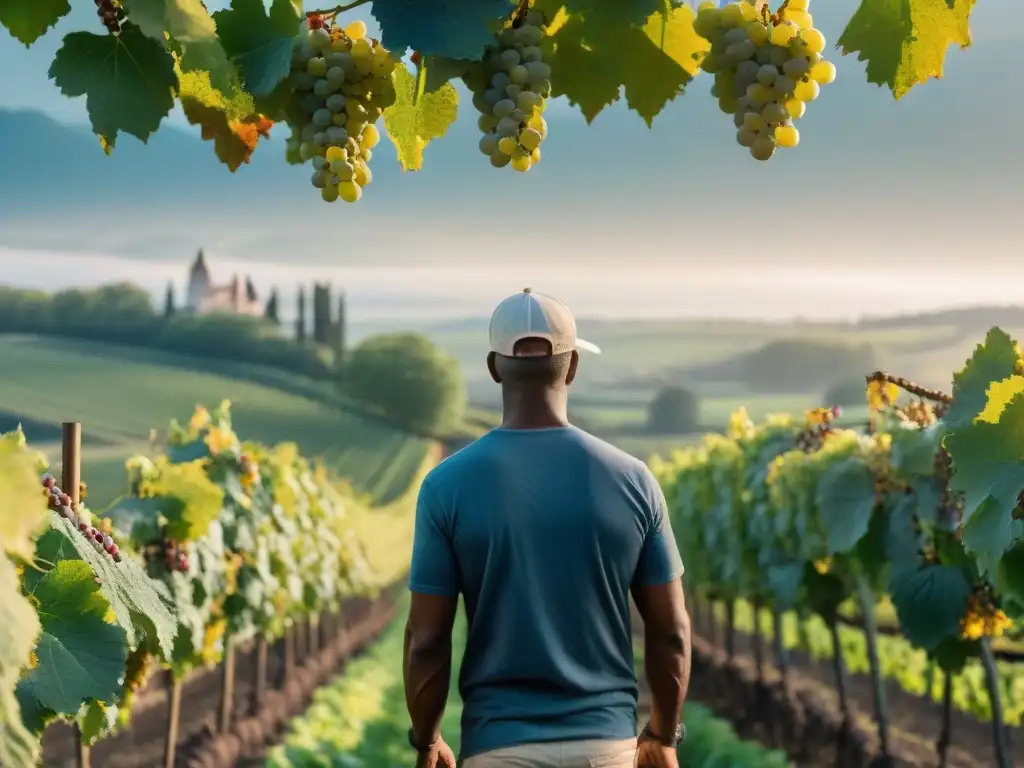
(674, 741)
(419, 747)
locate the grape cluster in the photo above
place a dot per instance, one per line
(766, 67)
(174, 557)
(341, 83)
(512, 94)
(111, 13)
(817, 427)
(984, 618)
(61, 503)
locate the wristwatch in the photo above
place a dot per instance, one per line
(677, 738)
(420, 748)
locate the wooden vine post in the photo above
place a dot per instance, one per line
(1000, 737)
(946, 734)
(867, 611)
(227, 689)
(839, 669)
(730, 628)
(173, 685)
(71, 483)
(260, 660)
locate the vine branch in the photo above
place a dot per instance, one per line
(909, 386)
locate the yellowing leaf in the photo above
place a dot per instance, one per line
(594, 56)
(229, 122)
(999, 396)
(904, 42)
(417, 117)
(881, 394)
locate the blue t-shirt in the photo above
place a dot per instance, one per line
(543, 532)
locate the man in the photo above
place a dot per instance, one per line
(545, 531)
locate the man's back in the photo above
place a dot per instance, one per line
(543, 532)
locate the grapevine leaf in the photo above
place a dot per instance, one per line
(417, 117)
(259, 42)
(987, 535)
(128, 80)
(98, 719)
(992, 361)
(914, 449)
(28, 20)
(440, 69)
(19, 628)
(587, 77)
(192, 32)
(904, 43)
(23, 511)
(952, 654)
(80, 655)
(663, 57)
(846, 499)
(653, 63)
(1010, 574)
(189, 500)
(1000, 394)
(230, 124)
(458, 29)
(988, 461)
(137, 601)
(930, 603)
(784, 582)
(617, 14)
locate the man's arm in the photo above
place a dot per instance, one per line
(658, 593)
(428, 663)
(666, 651)
(434, 583)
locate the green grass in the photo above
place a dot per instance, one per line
(119, 398)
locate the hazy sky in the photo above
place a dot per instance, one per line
(884, 207)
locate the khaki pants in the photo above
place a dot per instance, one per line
(599, 753)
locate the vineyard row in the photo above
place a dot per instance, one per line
(923, 509)
(219, 543)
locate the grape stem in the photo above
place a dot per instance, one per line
(330, 13)
(909, 386)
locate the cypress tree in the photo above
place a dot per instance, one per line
(300, 321)
(271, 310)
(169, 300)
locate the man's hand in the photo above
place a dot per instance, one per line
(653, 754)
(439, 756)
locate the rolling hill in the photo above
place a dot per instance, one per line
(120, 394)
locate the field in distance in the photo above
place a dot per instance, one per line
(120, 394)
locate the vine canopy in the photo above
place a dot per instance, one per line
(229, 69)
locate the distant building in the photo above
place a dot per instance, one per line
(204, 297)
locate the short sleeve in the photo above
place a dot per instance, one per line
(434, 570)
(659, 561)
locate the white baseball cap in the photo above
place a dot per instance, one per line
(530, 315)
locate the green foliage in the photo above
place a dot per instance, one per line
(799, 365)
(112, 71)
(408, 380)
(266, 539)
(673, 410)
(644, 50)
(827, 512)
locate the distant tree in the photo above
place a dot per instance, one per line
(847, 392)
(805, 365)
(300, 321)
(339, 330)
(271, 311)
(169, 300)
(673, 410)
(407, 379)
